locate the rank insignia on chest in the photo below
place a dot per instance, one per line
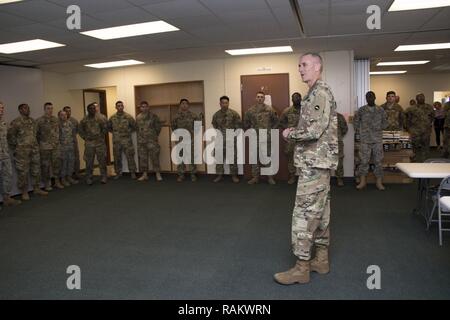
(317, 107)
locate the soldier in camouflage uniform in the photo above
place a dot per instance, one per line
(369, 122)
(93, 129)
(148, 130)
(5, 163)
(315, 155)
(184, 119)
(342, 131)
(222, 120)
(23, 142)
(67, 148)
(260, 116)
(48, 139)
(418, 123)
(122, 125)
(75, 125)
(289, 119)
(394, 113)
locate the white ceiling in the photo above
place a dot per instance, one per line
(208, 27)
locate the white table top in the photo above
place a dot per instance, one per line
(425, 170)
(445, 202)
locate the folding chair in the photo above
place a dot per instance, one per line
(442, 202)
(430, 190)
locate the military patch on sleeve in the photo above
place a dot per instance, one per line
(317, 107)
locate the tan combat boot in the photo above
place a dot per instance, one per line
(25, 195)
(271, 180)
(340, 182)
(235, 178)
(298, 274)
(158, 176)
(218, 178)
(320, 263)
(58, 184)
(40, 192)
(133, 175)
(193, 177)
(379, 184)
(362, 184)
(8, 201)
(254, 180)
(71, 180)
(48, 186)
(65, 182)
(144, 177)
(291, 179)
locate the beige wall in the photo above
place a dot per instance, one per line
(407, 86)
(220, 77)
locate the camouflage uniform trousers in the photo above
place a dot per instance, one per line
(366, 150)
(233, 166)
(311, 216)
(289, 151)
(421, 147)
(5, 176)
(256, 168)
(190, 167)
(340, 168)
(149, 150)
(91, 151)
(446, 143)
(67, 162)
(127, 147)
(50, 163)
(27, 160)
(76, 164)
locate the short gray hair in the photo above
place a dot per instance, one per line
(316, 55)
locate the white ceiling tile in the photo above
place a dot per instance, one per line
(176, 9)
(37, 10)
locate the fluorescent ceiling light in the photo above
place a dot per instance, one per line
(401, 5)
(8, 1)
(113, 64)
(238, 52)
(29, 45)
(402, 63)
(428, 46)
(131, 30)
(386, 72)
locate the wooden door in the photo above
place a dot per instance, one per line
(277, 86)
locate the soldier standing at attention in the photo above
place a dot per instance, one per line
(148, 130)
(394, 113)
(67, 148)
(122, 125)
(75, 125)
(93, 130)
(48, 139)
(342, 131)
(419, 118)
(369, 122)
(260, 116)
(23, 142)
(5, 163)
(184, 119)
(315, 155)
(222, 120)
(289, 119)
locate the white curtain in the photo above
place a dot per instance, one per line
(362, 81)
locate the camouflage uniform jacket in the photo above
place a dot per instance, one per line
(228, 119)
(185, 120)
(419, 119)
(369, 122)
(66, 135)
(122, 126)
(48, 132)
(4, 148)
(148, 127)
(395, 117)
(261, 117)
(316, 132)
(290, 117)
(93, 130)
(22, 132)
